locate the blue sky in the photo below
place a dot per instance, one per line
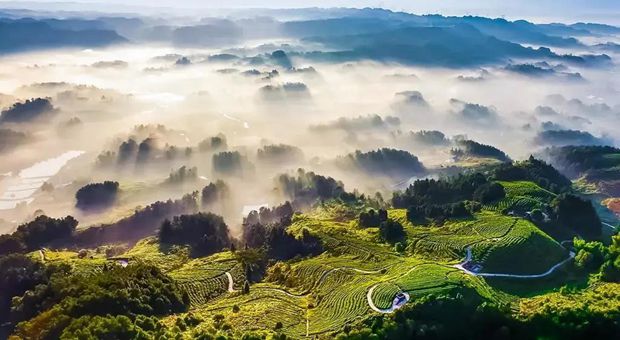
(537, 10)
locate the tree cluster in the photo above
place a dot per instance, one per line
(144, 222)
(371, 218)
(307, 188)
(131, 152)
(230, 163)
(537, 171)
(9, 139)
(578, 215)
(172, 152)
(213, 144)
(278, 243)
(40, 232)
(66, 298)
(27, 111)
(595, 162)
(470, 148)
(18, 274)
(391, 231)
(205, 233)
(444, 198)
(594, 256)
(267, 229)
(213, 193)
(489, 192)
(385, 162)
(279, 154)
(438, 213)
(96, 195)
(182, 175)
(429, 138)
(462, 314)
(281, 214)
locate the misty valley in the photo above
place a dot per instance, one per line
(307, 173)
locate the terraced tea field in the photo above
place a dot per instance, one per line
(356, 275)
(495, 240)
(521, 197)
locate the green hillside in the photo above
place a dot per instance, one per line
(356, 275)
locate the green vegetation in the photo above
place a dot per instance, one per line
(494, 239)
(37, 233)
(533, 170)
(384, 294)
(96, 195)
(596, 163)
(135, 290)
(205, 233)
(470, 148)
(327, 272)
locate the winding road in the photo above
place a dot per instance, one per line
(231, 283)
(384, 310)
(461, 266)
(468, 258)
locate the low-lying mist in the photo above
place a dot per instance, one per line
(164, 122)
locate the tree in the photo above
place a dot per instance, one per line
(391, 231)
(372, 219)
(214, 193)
(104, 327)
(230, 163)
(246, 287)
(182, 175)
(250, 260)
(10, 244)
(146, 149)
(489, 192)
(18, 274)
(213, 144)
(127, 151)
(578, 215)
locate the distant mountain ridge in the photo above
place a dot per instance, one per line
(347, 35)
(29, 34)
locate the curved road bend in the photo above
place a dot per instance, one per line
(468, 258)
(383, 310)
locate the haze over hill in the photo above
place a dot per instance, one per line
(307, 172)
